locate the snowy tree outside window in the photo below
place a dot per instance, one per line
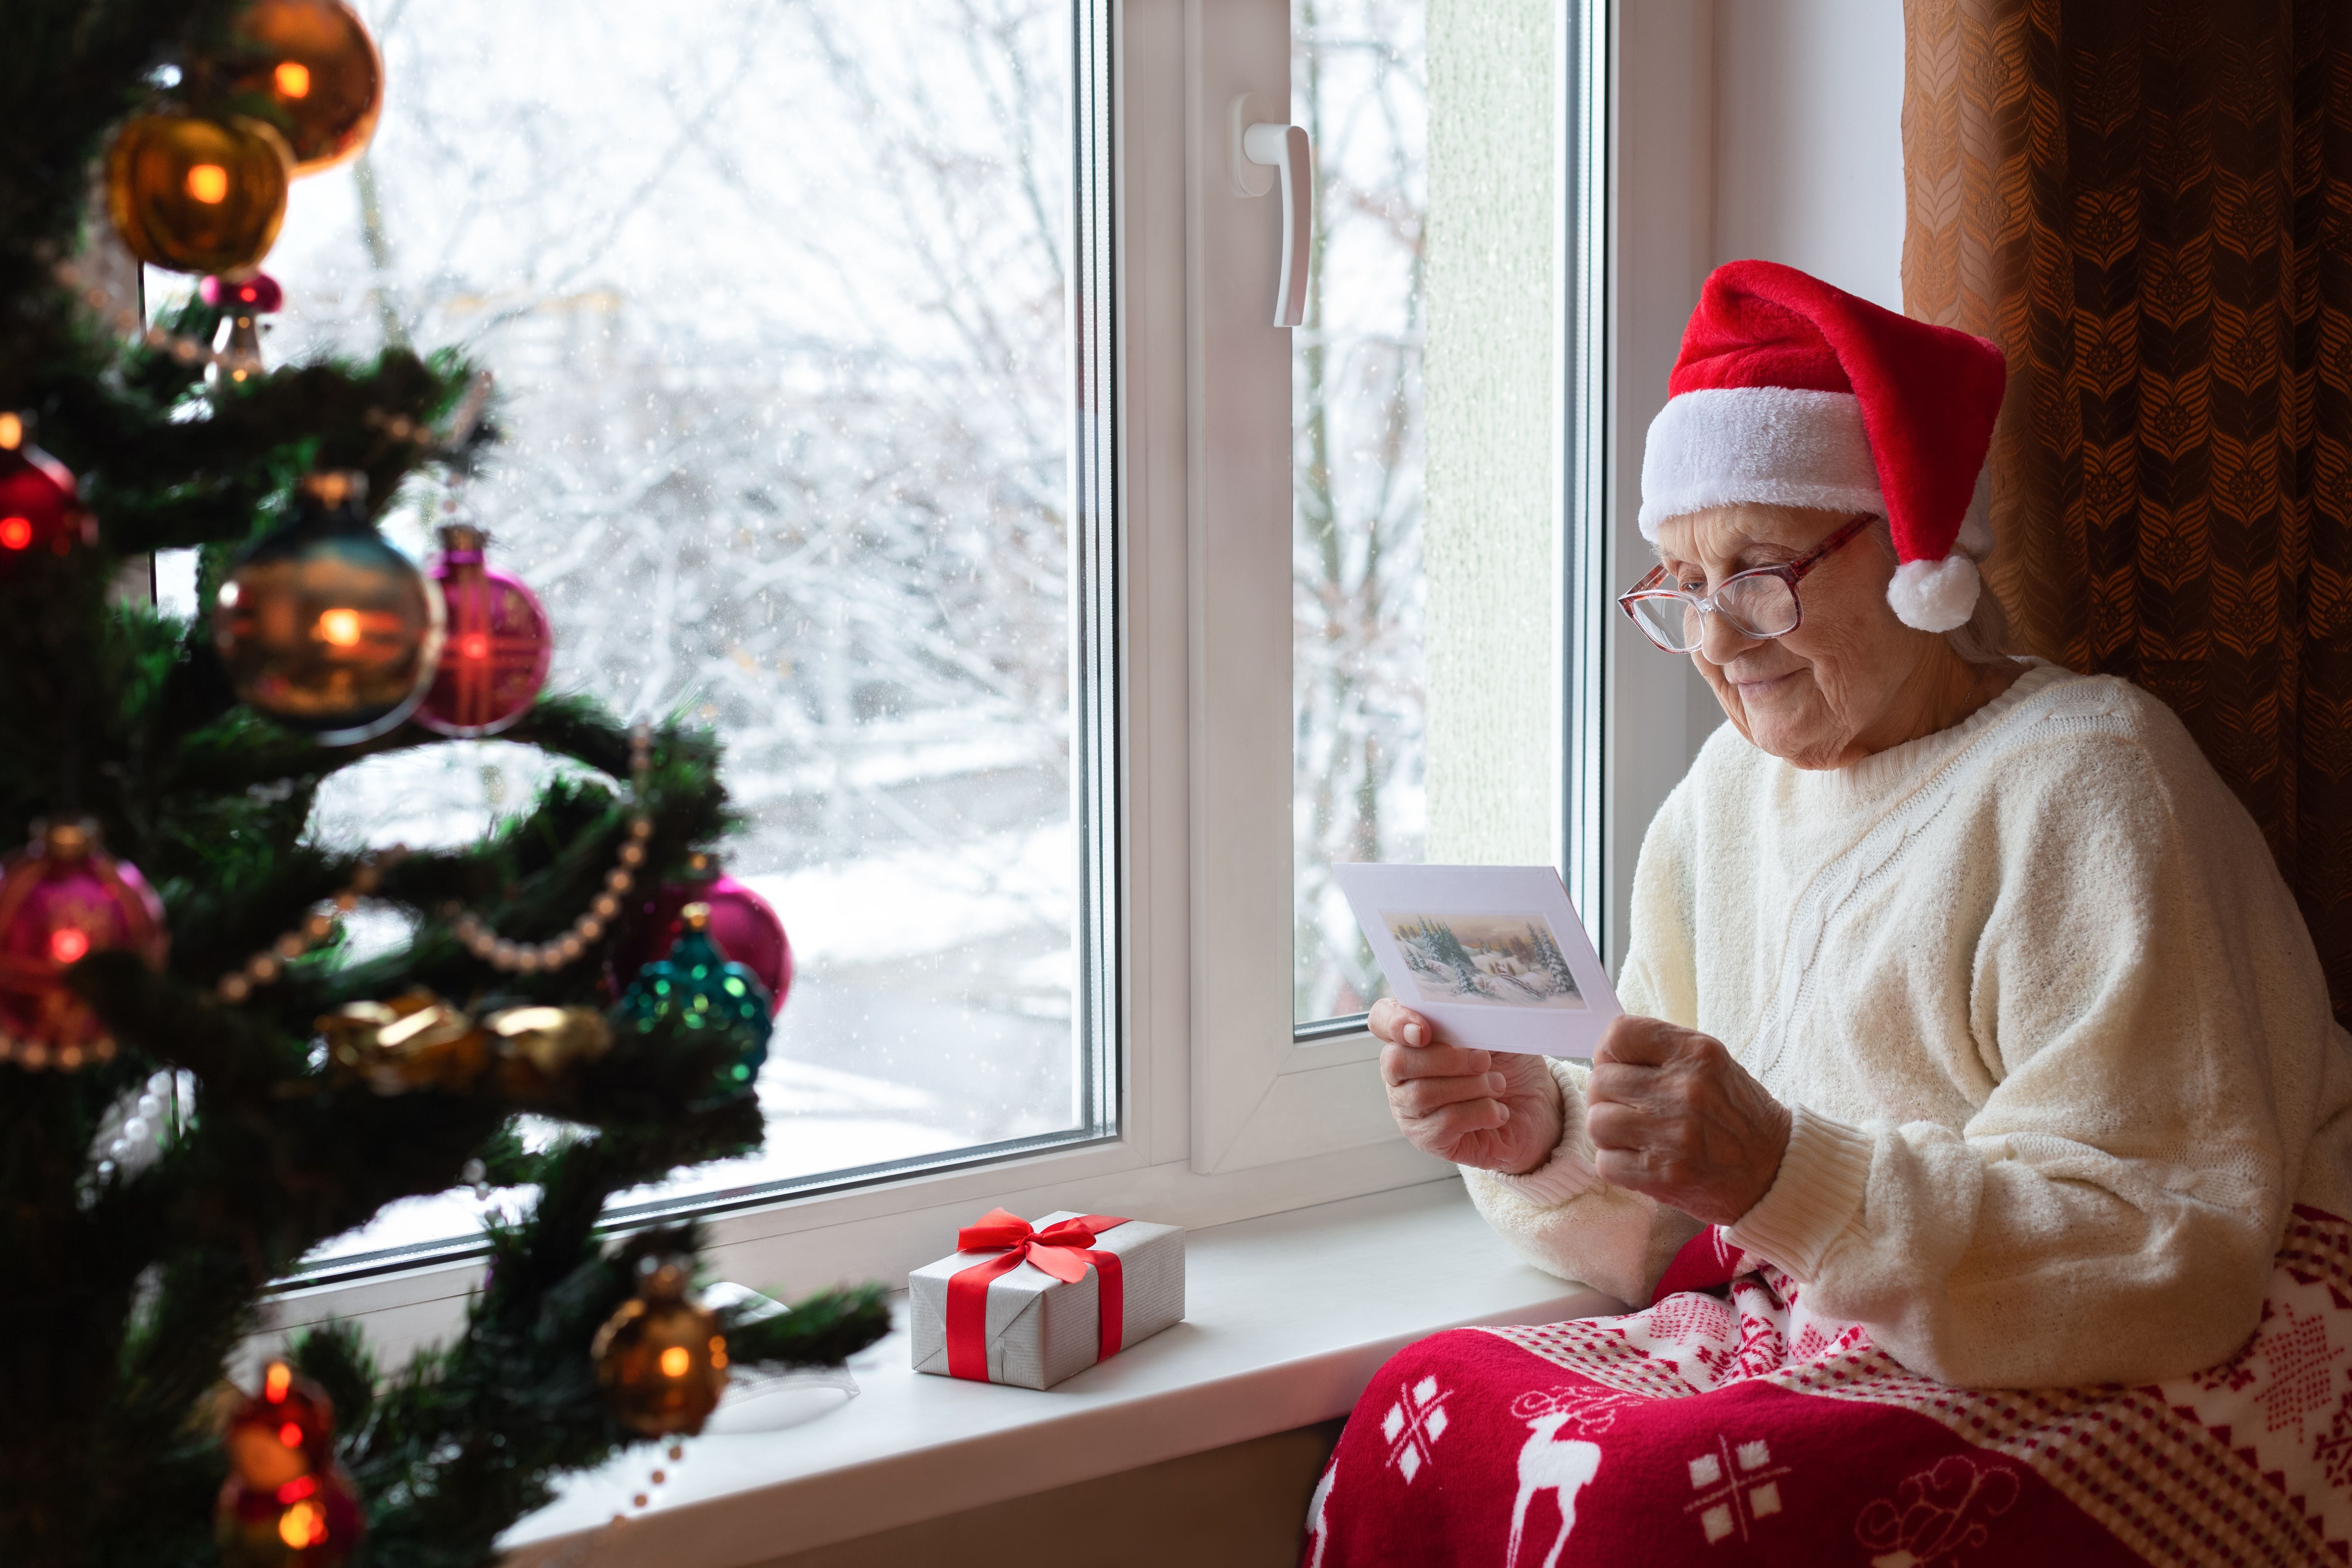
(775, 296)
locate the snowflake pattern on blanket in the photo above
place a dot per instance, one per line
(1724, 1424)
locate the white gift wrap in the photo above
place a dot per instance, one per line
(1040, 1331)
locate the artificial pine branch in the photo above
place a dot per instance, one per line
(128, 1291)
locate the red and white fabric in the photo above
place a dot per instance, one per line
(1725, 1423)
(1790, 392)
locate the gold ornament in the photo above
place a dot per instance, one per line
(661, 1359)
(324, 626)
(537, 1046)
(314, 61)
(196, 194)
(415, 1040)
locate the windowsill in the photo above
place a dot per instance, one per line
(1287, 1317)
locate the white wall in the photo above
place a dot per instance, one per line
(1744, 127)
(1809, 139)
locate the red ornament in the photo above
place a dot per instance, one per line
(256, 291)
(494, 658)
(244, 302)
(40, 505)
(288, 1503)
(745, 927)
(60, 900)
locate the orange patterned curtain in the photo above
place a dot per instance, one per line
(2148, 205)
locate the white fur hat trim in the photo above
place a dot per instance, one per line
(1777, 446)
(1935, 595)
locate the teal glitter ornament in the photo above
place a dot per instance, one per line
(697, 986)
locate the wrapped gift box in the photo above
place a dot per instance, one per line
(1040, 1328)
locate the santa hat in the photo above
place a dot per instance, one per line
(1792, 392)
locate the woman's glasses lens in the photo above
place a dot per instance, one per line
(1763, 606)
(1672, 623)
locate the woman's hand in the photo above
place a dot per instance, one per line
(1497, 1110)
(1672, 1117)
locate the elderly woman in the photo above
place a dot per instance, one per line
(1973, 1045)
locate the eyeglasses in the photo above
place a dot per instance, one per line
(1761, 603)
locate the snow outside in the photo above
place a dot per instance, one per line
(775, 298)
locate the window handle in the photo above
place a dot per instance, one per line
(1285, 147)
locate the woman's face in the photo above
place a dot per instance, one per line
(1851, 679)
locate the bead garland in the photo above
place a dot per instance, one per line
(483, 943)
(37, 1054)
(143, 1132)
(270, 962)
(532, 958)
(643, 1500)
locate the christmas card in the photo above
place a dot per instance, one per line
(1494, 956)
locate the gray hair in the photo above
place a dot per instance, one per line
(1986, 638)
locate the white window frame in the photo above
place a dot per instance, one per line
(1223, 1113)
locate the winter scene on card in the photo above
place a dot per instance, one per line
(1498, 961)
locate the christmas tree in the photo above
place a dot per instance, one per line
(201, 1077)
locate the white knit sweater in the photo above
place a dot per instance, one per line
(2056, 1039)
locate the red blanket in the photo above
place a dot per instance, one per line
(1725, 1425)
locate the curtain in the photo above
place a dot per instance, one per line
(2147, 204)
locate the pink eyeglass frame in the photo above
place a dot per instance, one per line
(1792, 572)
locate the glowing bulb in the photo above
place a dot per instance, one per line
(277, 1381)
(474, 645)
(302, 1525)
(208, 183)
(66, 944)
(12, 432)
(340, 628)
(291, 1435)
(293, 78)
(15, 532)
(675, 1361)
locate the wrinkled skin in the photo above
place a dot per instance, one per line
(1851, 679)
(1671, 1115)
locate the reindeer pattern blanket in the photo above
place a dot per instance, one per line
(1724, 1424)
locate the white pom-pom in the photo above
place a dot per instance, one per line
(1935, 595)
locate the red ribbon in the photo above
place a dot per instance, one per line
(1061, 1249)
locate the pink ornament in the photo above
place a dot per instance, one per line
(495, 654)
(257, 293)
(60, 900)
(744, 926)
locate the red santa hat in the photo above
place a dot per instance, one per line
(1791, 392)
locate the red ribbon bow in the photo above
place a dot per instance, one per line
(1061, 1249)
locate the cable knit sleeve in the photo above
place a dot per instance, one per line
(1561, 1216)
(2135, 989)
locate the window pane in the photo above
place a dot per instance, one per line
(1359, 86)
(775, 296)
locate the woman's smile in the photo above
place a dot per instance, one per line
(1751, 687)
